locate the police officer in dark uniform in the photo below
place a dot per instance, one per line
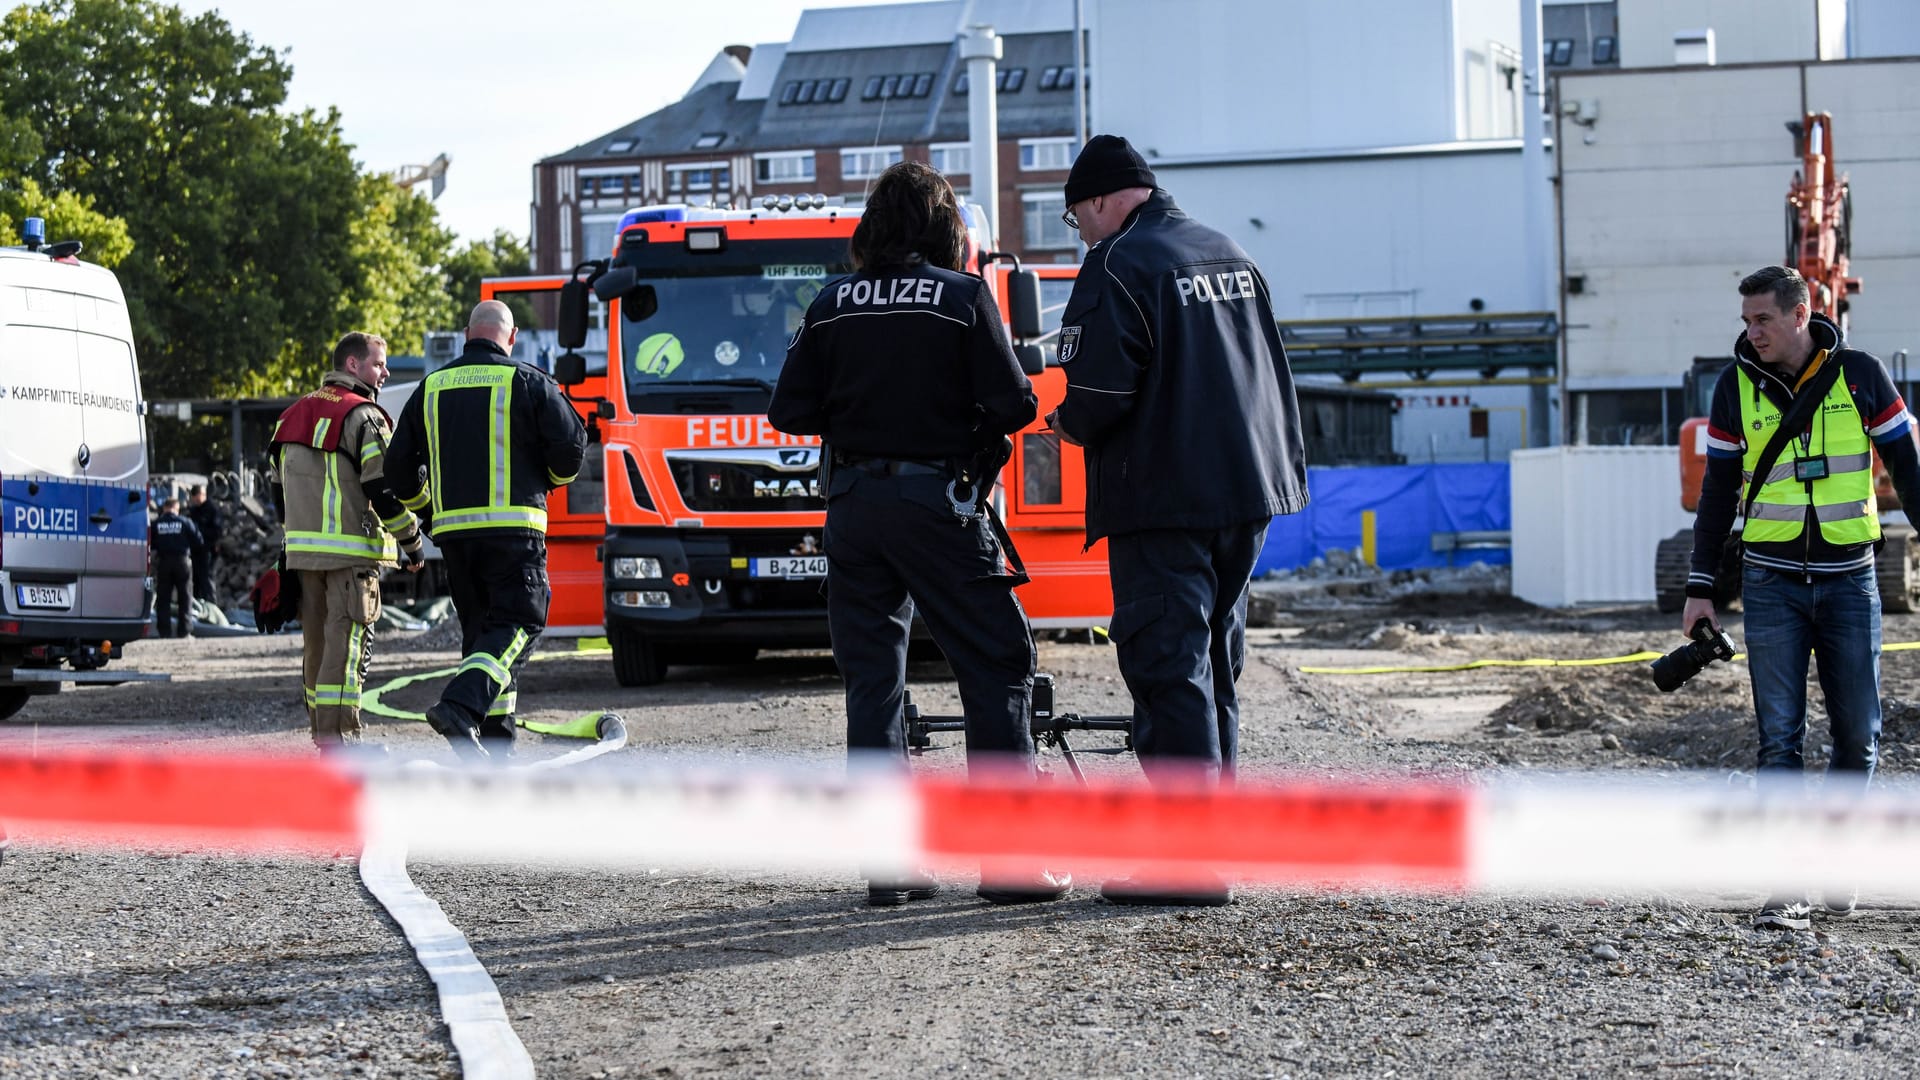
(174, 539)
(475, 452)
(906, 372)
(206, 517)
(1178, 388)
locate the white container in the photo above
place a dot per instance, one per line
(1586, 521)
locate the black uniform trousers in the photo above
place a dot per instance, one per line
(894, 544)
(172, 574)
(203, 574)
(500, 590)
(1180, 628)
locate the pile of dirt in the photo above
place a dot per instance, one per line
(1396, 635)
(1470, 603)
(1405, 637)
(1622, 705)
(1726, 738)
(1558, 706)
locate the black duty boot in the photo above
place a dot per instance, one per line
(463, 734)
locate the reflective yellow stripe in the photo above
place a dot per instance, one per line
(561, 481)
(400, 523)
(320, 431)
(488, 665)
(330, 497)
(500, 444)
(1836, 465)
(504, 704)
(356, 659)
(529, 517)
(417, 501)
(515, 648)
(433, 444)
(323, 543)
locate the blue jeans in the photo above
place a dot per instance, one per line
(1837, 618)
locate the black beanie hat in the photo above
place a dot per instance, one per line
(1108, 163)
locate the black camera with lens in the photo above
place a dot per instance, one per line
(1709, 643)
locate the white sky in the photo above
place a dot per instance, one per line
(496, 84)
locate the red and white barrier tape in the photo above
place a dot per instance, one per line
(1508, 838)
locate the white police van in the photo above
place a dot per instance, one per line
(74, 584)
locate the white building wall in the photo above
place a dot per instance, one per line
(1364, 152)
(1209, 77)
(1437, 229)
(1744, 31)
(1876, 131)
(1883, 28)
(1664, 210)
(1486, 45)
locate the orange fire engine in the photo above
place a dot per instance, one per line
(694, 533)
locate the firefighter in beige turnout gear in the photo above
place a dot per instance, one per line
(342, 521)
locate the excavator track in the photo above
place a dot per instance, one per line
(1670, 561)
(1673, 559)
(1897, 569)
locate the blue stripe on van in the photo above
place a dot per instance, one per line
(62, 508)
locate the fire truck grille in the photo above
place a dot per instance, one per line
(709, 484)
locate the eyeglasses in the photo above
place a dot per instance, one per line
(1072, 221)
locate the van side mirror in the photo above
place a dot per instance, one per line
(1023, 303)
(1033, 359)
(570, 369)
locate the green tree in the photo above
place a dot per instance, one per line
(103, 239)
(501, 255)
(241, 218)
(68, 216)
(396, 288)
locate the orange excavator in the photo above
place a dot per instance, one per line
(1819, 237)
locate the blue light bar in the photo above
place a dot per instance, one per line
(34, 232)
(648, 214)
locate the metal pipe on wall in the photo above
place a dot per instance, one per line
(980, 47)
(1080, 72)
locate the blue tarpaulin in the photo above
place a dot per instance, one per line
(1410, 504)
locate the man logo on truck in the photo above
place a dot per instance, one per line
(785, 489)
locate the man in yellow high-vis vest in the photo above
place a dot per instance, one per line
(1812, 527)
(476, 451)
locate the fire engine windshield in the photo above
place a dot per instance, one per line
(724, 321)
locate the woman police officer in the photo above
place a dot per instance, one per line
(905, 371)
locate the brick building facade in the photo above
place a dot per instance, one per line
(855, 90)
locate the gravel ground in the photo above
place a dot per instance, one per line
(198, 966)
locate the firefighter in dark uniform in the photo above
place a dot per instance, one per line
(476, 450)
(1178, 388)
(174, 540)
(905, 371)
